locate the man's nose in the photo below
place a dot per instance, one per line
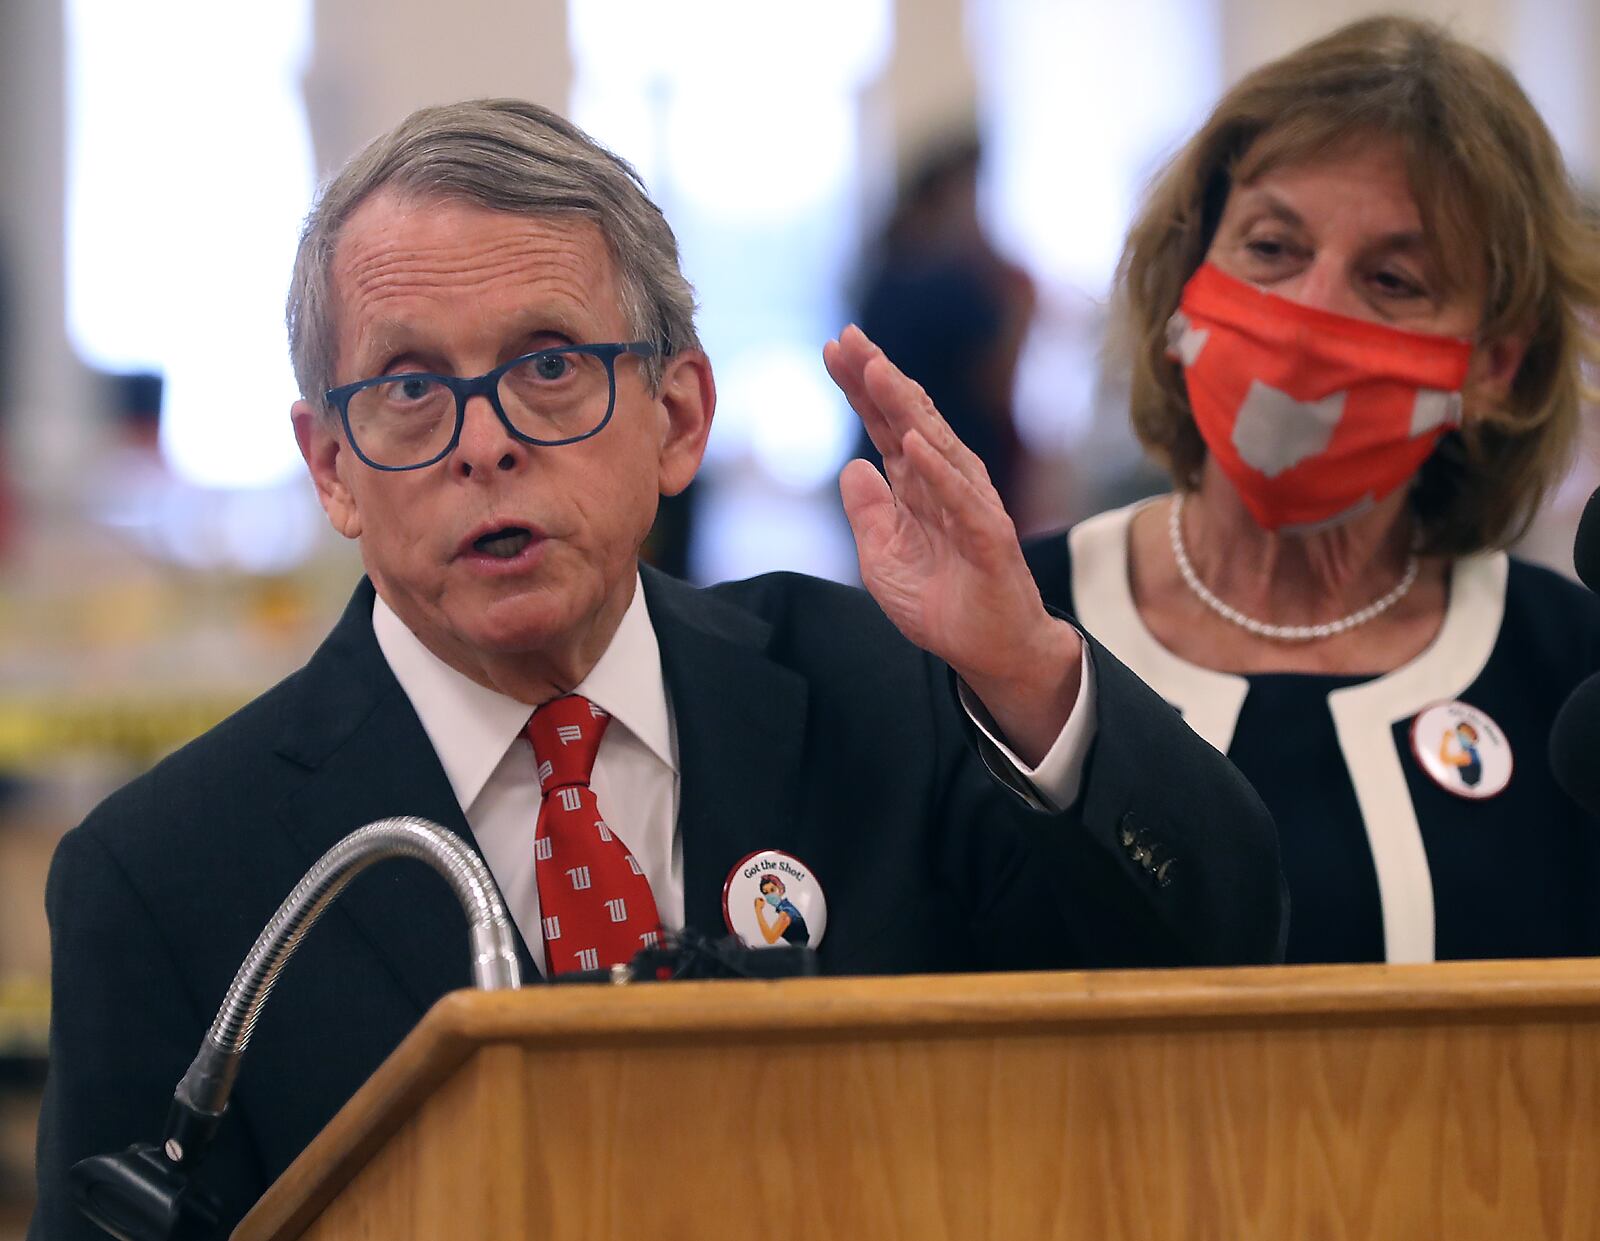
(485, 443)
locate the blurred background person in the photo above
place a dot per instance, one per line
(949, 309)
(1358, 304)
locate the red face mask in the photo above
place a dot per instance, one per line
(1314, 417)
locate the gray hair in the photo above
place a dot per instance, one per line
(505, 155)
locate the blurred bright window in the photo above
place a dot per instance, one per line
(744, 121)
(1082, 103)
(189, 171)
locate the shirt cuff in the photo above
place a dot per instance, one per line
(1058, 779)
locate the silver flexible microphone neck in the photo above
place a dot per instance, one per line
(145, 1192)
(205, 1087)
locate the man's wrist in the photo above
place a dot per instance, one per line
(1031, 701)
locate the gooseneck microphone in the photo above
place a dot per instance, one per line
(145, 1193)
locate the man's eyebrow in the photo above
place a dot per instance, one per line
(550, 322)
(385, 339)
(388, 338)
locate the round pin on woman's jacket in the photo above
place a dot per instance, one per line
(1463, 751)
(772, 899)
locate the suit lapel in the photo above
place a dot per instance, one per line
(740, 719)
(368, 758)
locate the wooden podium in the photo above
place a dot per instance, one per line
(1421, 1103)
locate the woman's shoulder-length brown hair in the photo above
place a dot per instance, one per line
(1498, 207)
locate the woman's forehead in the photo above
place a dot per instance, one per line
(1372, 162)
(1366, 189)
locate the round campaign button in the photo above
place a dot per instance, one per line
(1462, 749)
(773, 900)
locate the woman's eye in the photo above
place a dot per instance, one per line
(1393, 284)
(1266, 248)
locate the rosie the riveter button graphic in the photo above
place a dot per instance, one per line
(1462, 749)
(772, 900)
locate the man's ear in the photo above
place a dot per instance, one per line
(688, 398)
(324, 451)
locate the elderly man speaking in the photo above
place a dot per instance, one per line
(501, 377)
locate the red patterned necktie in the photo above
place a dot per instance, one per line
(594, 899)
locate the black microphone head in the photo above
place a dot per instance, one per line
(140, 1195)
(1575, 743)
(1586, 547)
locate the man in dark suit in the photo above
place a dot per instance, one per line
(499, 521)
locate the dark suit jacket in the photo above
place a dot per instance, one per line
(805, 723)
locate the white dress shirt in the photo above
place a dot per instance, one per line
(477, 734)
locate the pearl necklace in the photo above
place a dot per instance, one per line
(1279, 633)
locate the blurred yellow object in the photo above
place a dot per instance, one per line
(280, 608)
(24, 1015)
(125, 613)
(142, 730)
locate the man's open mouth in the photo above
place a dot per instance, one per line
(503, 544)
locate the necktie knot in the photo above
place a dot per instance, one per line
(565, 733)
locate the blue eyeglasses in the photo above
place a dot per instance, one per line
(553, 397)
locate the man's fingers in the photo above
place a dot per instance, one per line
(906, 407)
(868, 502)
(903, 479)
(844, 367)
(891, 404)
(966, 513)
(887, 411)
(857, 346)
(844, 359)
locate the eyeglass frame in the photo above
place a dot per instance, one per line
(488, 385)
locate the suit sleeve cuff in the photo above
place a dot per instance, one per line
(1055, 783)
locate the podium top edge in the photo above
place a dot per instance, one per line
(859, 1005)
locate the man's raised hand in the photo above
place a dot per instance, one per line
(940, 554)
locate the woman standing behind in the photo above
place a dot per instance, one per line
(1359, 301)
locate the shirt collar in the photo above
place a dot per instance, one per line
(471, 727)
